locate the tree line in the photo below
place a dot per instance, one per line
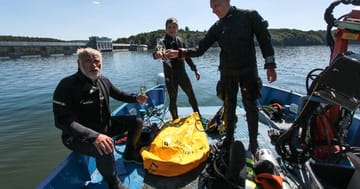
(280, 37)
(28, 39)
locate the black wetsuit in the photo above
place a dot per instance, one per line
(175, 76)
(81, 111)
(235, 36)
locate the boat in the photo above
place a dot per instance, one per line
(288, 142)
(79, 171)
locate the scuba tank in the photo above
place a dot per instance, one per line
(265, 154)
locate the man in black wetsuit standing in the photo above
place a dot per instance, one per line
(174, 69)
(81, 110)
(235, 31)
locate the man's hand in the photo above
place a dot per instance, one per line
(104, 144)
(170, 53)
(271, 75)
(141, 99)
(197, 75)
(158, 54)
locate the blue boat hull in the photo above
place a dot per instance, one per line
(79, 171)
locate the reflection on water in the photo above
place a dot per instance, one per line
(29, 143)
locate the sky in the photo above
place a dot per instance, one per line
(80, 19)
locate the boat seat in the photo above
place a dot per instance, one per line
(156, 97)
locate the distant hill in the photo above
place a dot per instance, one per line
(292, 37)
(34, 39)
(280, 37)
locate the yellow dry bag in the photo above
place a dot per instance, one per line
(178, 148)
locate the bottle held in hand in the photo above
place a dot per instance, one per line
(143, 92)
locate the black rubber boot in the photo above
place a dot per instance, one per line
(132, 153)
(253, 147)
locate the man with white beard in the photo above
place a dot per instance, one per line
(81, 110)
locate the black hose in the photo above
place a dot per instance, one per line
(312, 76)
(331, 20)
(353, 2)
(218, 172)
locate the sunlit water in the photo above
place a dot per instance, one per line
(30, 144)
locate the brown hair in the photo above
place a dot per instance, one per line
(171, 21)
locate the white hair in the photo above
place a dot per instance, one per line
(87, 51)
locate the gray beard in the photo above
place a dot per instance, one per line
(92, 77)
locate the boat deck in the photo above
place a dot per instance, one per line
(79, 171)
(134, 176)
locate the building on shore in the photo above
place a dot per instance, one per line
(16, 49)
(100, 43)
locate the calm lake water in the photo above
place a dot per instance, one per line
(30, 144)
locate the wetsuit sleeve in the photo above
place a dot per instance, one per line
(190, 62)
(64, 118)
(263, 37)
(121, 95)
(204, 44)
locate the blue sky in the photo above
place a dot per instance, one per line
(79, 19)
